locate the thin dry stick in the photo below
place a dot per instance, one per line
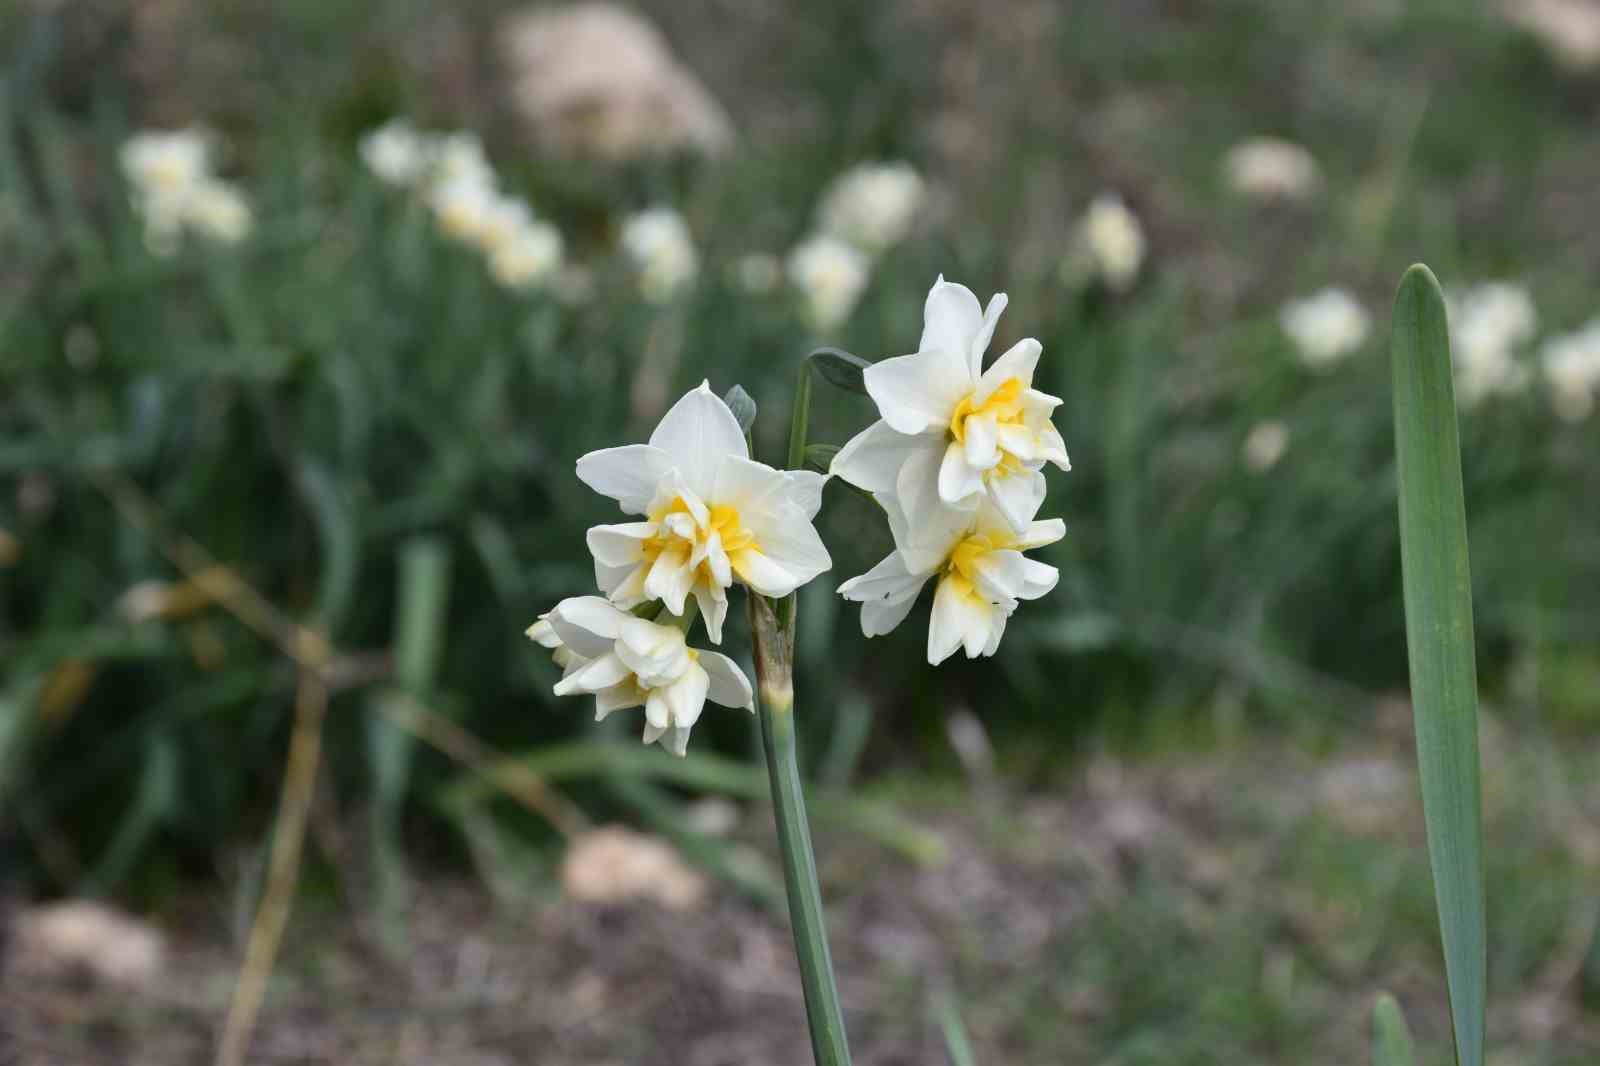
(283, 868)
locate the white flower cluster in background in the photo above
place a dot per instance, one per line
(1326, 326)
(1269, 168)
(707, 517)
(453, 176)
(658, 243)
(956, 461)
(1488, 324)
(1107, 246)
(865, 211)
(1266, 443)
(1571, 364)
(175, 190)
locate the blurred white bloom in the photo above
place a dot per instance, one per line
(1572, 371)
(977, 557)
(218, 210)
(658, 242)
(174, 190)
(758, 273)
(464, 210)
(625, 661)
(612, 864)
(1109, 245)
(1570, 29)
(712, 515)
(397, 152)
(529, 257)
(1269, 168)
(1266, 444)
(1488, 323)
(459, 159)
(506, 220)
(166, 163)
(872, 205)
(1325, 327)
(953, 434)
(830, 276)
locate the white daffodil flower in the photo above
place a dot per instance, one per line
(873, 205)
(953, 434)
(661, 248)
(397, 152)
(711, 515)
(631, 662)
(219, 211)
(830, 276)
(530, 257)
(983, 575)
(1326, 326)
(166, 163)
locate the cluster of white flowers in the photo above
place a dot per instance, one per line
(956, 463)
(658, 243)
(866, 211)
(1325, 327)
(1571, 363)
(174, 189)
(1488, 324)
(1268, 168)
(455, 178)
(1108, 246)
(709, 517)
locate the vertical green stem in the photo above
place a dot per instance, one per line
(774, 656)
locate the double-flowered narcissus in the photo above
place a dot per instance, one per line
(626, 661)
(976, 556)
(953, 435)
(710, 515)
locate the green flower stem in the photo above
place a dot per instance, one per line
(774, 656)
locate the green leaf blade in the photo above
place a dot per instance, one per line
(1391, 1038)
(1439, 639)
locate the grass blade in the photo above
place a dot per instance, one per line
(1439, 639)
(1391, 1039)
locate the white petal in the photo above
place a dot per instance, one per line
(670, 580)
(729, 686)
(676, 740)
(924, 538)
(997, 629)
(697, 433)
(1018, 361)
(619, 545)
(763, 574)
(958, 618)
(1017, 497)
(1002, 576)
(788, 538)
(883, 616)
(623, 585)
(889, 579)
(951, 319)
(657, 713)
(686, 697)
(675, 487)
(745, 485)
(980, 343)
(615, 698)
(981, 447)
(1038, 579)
(652, 733)
(587, 624)
(543, 633)
(630, 474)
(1041, 533)
(959, 481)
(872, 459)
(596, 676)
(805, 490)
(653, 653)
(713, 608)
(919, 392)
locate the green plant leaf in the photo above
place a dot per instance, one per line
(840, 369)
(742, 406)
(819, 457)
(1391, 1039)
(1439, 640)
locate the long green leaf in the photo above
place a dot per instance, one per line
(1391, 1039)
(1438, 601)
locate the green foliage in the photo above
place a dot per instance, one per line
(1439, 639)
(1391, 1039)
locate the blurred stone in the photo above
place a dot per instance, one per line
(597, 80)
(1367, 796)
(82, 936)
(713, 816)
(1569, 29)
(614, 864)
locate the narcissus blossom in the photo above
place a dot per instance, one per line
(174, 190)
(662, 249)
(529, 257)
(830, 275)
(952, 434)
(872, 205)
(1108, 245)
(1571, 364)
(976, 557)
(1489, 322)
(1326, 326)
(624, 661)
(397, 153)
(711, 515)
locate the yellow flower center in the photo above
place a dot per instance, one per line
(961, 565)
(724, 521)
(1004, 403)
